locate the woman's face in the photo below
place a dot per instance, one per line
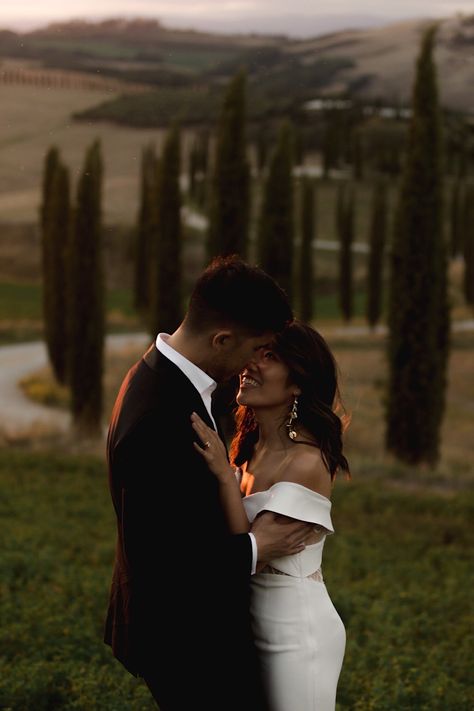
(264, 382)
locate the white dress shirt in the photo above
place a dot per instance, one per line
(205, 386)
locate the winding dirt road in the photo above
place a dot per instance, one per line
(18, 413)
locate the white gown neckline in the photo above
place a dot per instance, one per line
(289, 483)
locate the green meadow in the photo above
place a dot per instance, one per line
(399, 570)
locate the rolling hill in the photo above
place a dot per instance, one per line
(377, 63)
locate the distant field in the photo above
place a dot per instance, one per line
(26, 135)
(363, 368)
(35, 118)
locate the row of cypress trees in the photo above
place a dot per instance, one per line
(419, 314)
(418, 304)
(73, 282)
(276, 246)
(230, 210)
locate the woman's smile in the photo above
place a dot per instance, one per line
(247, 381)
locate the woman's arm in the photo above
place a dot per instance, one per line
(215, 455)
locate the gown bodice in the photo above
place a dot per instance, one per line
(298, 502)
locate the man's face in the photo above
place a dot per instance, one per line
(238, 351)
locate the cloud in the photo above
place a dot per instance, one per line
(221, 11)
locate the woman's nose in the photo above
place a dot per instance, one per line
(255, 360)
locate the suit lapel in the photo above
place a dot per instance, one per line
(180, 384)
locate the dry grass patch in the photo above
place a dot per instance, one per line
(363, 378)
(42, 387)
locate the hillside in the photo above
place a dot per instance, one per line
(134, 50)
(373, 63)
(384, 60)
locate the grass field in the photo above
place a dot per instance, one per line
(26, 135)
(398, 569)
(21, 312)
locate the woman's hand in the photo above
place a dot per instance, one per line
(213, 450)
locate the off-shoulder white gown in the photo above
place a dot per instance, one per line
(299, 634)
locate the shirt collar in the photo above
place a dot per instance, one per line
(201, 380)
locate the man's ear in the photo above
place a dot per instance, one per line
(222, 339)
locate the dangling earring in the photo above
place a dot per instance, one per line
(292, 434)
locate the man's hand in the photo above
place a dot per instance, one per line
(277, 536)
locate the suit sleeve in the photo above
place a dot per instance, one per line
(172, 519)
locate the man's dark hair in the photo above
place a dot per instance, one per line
(231, 292)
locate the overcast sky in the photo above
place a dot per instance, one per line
(297, 17)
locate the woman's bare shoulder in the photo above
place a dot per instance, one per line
(307, 467)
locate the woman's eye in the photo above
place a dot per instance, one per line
(269, 355)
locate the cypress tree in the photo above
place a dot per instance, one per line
(86, 282)
(166, 306)
(276, 224)
(230, 192)
(456, 219)
(193, 160)
(51, 162)
(201, 168)
(345, 224)
(57, 336)
(202, 151)
(463, 161)
(299, 150)
(147, 227)
(54, 228)
(261, 147)
(377, 239)
(340, 209)
(468, 241)
(331, 143)
(306, 270)
(418, 303)
(357, 156)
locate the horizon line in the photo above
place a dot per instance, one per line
(22, 26)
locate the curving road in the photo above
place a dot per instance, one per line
(18, 413)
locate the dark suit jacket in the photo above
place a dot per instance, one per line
(180, 589)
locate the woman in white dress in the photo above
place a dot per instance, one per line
(286, 453)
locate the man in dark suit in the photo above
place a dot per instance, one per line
(178, 613)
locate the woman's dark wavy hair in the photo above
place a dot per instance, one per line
(312, 367)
